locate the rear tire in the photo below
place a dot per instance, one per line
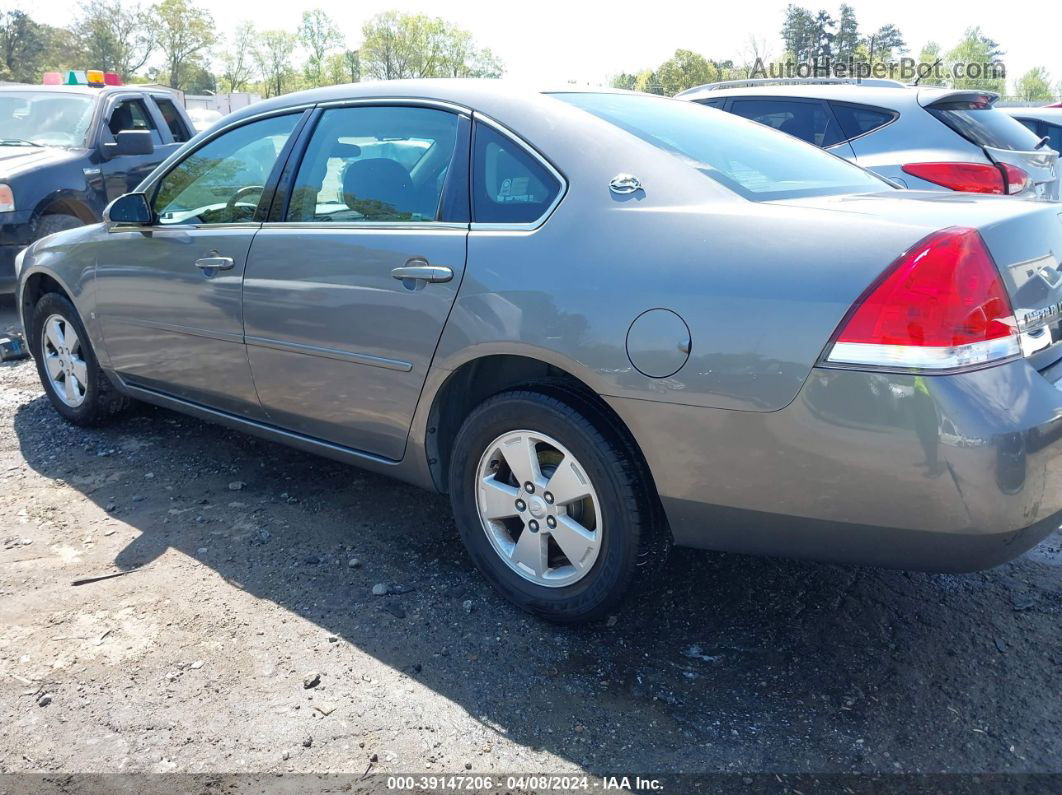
(72, 378)
(584, 553)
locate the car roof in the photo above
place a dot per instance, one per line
(1053, 115)
(891, 97)
(94, 91)
(481, 94)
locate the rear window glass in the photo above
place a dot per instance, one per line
(856, 120)
(754, 161)
(985, 126)
(808, 121)
(509, 185)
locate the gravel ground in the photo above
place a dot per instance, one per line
(246, 635)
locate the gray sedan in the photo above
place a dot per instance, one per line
(602, 322)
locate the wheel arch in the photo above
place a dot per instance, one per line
(65, 203)
(480, 377)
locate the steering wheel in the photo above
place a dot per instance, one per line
(230, 205)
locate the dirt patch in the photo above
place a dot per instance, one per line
(251, 567)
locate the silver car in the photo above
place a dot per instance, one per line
(919, 137)
(602, 322)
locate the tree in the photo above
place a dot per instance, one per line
(237, 64)
(930, 61)
(798, 32)
(685, 69)
(406, 45)
(273, 54)
(846, 39)
(117, 38)
(882, 44)
(22, 46)
(624, 80)
(183, 31)
(822, 35)
(320, 36)
(1035, 86)
(971, 60)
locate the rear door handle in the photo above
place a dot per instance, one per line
(214, 263)
(424, 272)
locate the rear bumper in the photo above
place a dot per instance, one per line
(942, 473)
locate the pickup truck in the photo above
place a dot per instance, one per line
(67, 150)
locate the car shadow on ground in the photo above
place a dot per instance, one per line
(730, 662)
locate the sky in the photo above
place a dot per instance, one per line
(548, 42)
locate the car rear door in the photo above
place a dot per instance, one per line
(350, 282)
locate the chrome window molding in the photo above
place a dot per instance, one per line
(401, 101)
(488, 226)
(371, 226)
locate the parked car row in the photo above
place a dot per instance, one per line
(602, 322)
(920, 138)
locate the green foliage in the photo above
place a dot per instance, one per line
(23, 43)
(976, 48)
(273, 54)
(399, 45)
(685, 69)
(116, 38)
(237, 63)
(931, 54)
(183, 31)
(320, 36)
(1035, 86)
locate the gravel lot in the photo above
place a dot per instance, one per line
(258, 570)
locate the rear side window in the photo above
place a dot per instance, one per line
(173, 120)
(752, 161)
(808, 121)
(984, 125)
(509, 184)
(856, 120)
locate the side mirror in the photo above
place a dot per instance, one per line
(132, 208)
(130, 142)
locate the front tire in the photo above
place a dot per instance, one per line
(76, 386)
(554, 509)
(57, 222)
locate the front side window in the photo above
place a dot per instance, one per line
(375, 164)
(223, 181)
(808, 121)
(752, 160)
(509, 184)
(173, 120)
(46, 118)
(132, 114)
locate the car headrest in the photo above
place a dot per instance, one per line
(378, 179)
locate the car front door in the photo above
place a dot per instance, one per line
(348, 289)
(169, 294)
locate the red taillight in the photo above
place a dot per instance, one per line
(971, 177)
(968, 177)
(1017, 180)
(942, 305)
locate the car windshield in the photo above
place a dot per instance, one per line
(750, 159)
(43, 118)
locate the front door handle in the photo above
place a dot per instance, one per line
(214, 263)
(424, 272)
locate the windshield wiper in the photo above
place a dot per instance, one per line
(17, 142)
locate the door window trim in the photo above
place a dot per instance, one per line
(278, 208)
(503, 226)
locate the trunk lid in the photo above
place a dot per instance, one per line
(1024, 239)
